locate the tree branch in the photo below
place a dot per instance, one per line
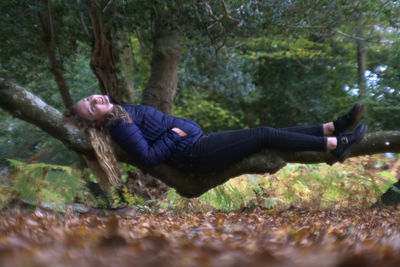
(85, 28)
(107, 6)
(217, 22)
(26, 106)
(46, 22)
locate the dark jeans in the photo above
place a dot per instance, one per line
(216, 150)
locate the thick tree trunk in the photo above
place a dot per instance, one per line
(28, 107)
(163, 82)
(103, 61)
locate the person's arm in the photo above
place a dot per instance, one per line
(131, 139)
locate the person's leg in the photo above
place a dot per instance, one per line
(218, 149)
(333, 128)
(221, 148)
(316, 130)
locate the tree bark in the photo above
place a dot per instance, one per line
(103, 61)
(126, 67)
(26, 106)
(361, 57)
(47, 25)
(163, 82)
(362, 66)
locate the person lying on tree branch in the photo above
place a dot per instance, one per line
(152, 137)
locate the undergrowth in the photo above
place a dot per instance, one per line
(357, 183)
(41, 182)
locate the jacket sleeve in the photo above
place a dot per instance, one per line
(130, 138)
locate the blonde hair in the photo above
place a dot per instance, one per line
(101, 143)
(109, 171)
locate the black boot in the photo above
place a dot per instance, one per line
(346, 142)
(349, 120)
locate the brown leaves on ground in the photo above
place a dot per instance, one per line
(260, 237)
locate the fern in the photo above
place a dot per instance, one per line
(47, 182)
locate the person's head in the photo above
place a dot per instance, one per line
(90, 113)
(94, 107)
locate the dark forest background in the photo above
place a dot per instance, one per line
(241, 63)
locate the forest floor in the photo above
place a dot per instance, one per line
(260, 237)
(294, 235)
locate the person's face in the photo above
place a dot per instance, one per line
(94, 107)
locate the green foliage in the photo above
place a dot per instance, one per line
(16, 144)
(47, 182)
(225, 198)
(215, 88)
(142, 66)
(175, 200)
(323, 186)
(209, 114)
(7, 195)
(80, 77)
(303, 75)
(384, 92)
(132, 201)
(233, 195)
(317, 186)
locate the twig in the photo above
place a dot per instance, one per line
(85, 28)
(107, 6)
(217, 22)
(355, 37)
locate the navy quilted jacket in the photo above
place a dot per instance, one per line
(149, 139)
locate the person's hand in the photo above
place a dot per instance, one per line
(179, 132)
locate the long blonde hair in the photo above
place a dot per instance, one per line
(109, 171)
